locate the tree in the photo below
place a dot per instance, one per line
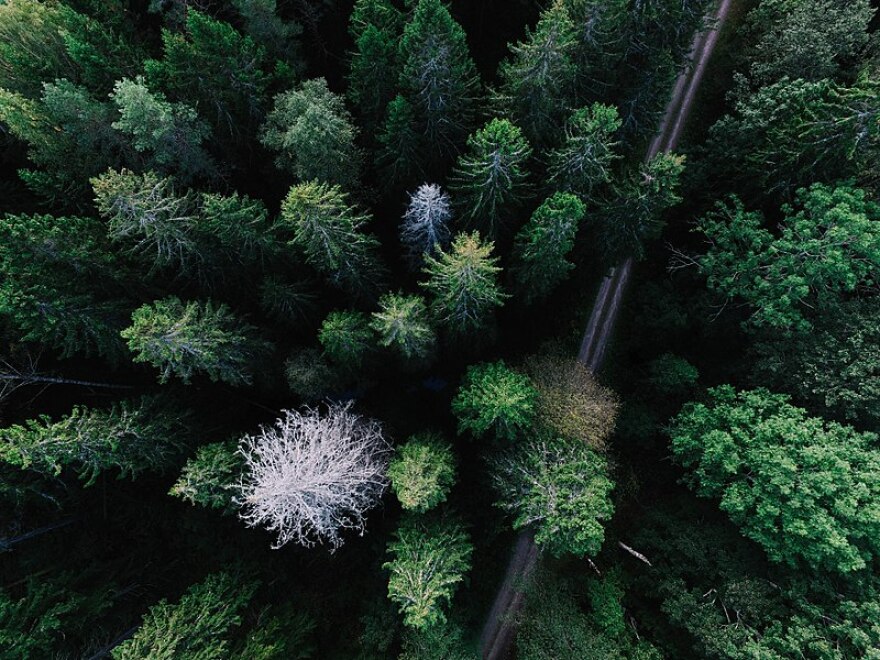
(489, 180)
(422, 472)
(280, 38)
(425, 226)
(582, 163)
(802, 488)
(183, 339)
(828, 244)
(347, 339)
(402, 145)
(570, 401)
(171, 133)
(198, 626)
(314, 135)
(538, 80)
(428, 561)
(145, 212)
(438, 642)
(287, 302)
(542, 245)
(43, 42)
(58, 284)
(402, 323)
(807, 40)
(312, 476)
(794, 132)
(239, 225)
(438, 77)
(464, 283)
(671, 374)
(214, 67)
(132, 437)
(560, 486)
(211, 477)
(835, 368)
(320, 222)
(310, 375)
(494, 397)
(632, 215)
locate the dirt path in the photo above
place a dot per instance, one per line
(500, 627)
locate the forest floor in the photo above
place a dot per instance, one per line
(500, 627)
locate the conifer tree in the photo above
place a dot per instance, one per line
(537, 85)
(422, 472)
(211, 478)
(464, 284)
(317, 219)
(400, 155)
(171, 133)
(132, 437)
(438, 77)
(239, 224)
(212, 66)
(402, 323)
(544, 242)
(489, 179)
(183, 339)
(425, 227)
(197, 626)
(582, 162)
(280, 38)
(428, 561)
(494, 397)
(347, 339)
(314, 135)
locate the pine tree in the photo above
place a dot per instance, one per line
(428, 561)
(133, 437)
(544, 242)
(347, 339)
(464, 284)
(171, 133)
(438, 77)
(183, 339)
(197, 626)
(537, 82)
(425, 226)
(314, 135)
(582, 163)
(489, 179)
(402, 323)
(317, 219)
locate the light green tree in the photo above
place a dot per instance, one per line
(429, 559)
(211, 477)
(490, 178)
(804, 489)
(184, 339)
(403, 324)
(464, 283)
(422, 472)
(494, 397)
(543, 244)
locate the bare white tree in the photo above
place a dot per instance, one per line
(425, 226)
(311, 476)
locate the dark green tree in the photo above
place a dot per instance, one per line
(802, 488)
(493, 397)
(317, 219)
(314, 135)
(401, 151)
(489, 179)
(347, 339)
(583, 162)
(280, 38)
(133, 437)
(211, 478)
(464, 284)
(543, 244)
(429, 559)
(422, 472)
(184, 339)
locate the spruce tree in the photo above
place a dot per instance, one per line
(425, 226)
(347, 339)
(422, 472)
(583, 162)
(184, 339)
(317, 219)
(402, 324)
(464, 284)
(489, 180)
(544, 242)
(493, 397)
(401, 151)
(211, 477)
(314, 135)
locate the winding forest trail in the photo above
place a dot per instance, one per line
(500, 627)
